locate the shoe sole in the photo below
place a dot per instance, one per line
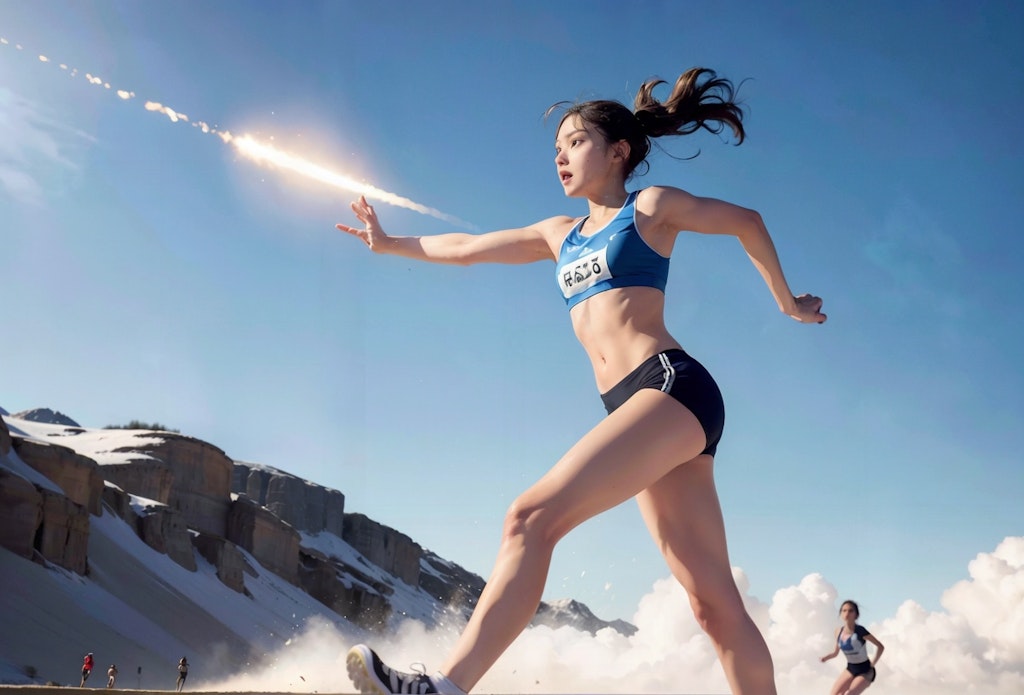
(362, 675)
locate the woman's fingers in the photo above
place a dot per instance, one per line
(810, 309)
(364, 212)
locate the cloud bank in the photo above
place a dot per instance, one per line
(974, 645)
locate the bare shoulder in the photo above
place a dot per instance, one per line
(661, 211)
(554, 229)
(656, 201)
(557, 224)
(671, 210)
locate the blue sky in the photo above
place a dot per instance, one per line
(151, 272)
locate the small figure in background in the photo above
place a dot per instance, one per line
(182, 672)
(86, 669)
(111, 675)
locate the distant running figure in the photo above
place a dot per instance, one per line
(665, 412)
(182, 673)
(111, 675)
(853, 639)
(86, 669)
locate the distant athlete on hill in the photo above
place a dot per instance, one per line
(86, 669)
(182, 673)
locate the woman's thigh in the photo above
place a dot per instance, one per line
(842, 684)
(858, 685)
(628, 451)
(684, 517)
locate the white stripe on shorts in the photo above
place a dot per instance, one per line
(670, 373)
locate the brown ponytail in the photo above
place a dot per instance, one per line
(693, 104)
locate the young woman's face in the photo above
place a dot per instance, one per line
(583, 158)
(847, 612)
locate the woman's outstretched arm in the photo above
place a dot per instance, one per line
(678, 210)
(512, 246)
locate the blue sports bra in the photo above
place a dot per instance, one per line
(615, 256)
(854, 646)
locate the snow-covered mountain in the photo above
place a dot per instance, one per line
(143, 546)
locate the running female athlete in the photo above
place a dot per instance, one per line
(853, 640)
(665, 413)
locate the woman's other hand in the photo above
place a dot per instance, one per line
(807, 309)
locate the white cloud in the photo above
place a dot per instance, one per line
(992, 601)
(974, 646)
(803, 619)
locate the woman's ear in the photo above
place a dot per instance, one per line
(621, 150)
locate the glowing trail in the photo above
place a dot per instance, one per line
(262, 153)
(267, 155)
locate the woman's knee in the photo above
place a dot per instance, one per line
(841, 687)
(533, 523)
(718, 609)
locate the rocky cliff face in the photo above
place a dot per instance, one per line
(224, 555)
(78, 476)
(187, 474)
(21, 513)
(63, 537)
(48, 522)
(359, 598)
(393, 552)
(161, 527)
(305, 505)
(273, 542)
(5, 439)
(184, 497)
(450, 584)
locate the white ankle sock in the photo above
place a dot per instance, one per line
(445, 686)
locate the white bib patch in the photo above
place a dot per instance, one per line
(584, 273)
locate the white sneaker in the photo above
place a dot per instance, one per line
(372, 677)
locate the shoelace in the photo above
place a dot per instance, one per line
(405, 681)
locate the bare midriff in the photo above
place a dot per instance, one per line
(619, 329)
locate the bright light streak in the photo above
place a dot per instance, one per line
(266, 155)
(167, 111)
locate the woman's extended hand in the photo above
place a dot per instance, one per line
(371, 233)
(807, 309)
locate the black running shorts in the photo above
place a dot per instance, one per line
(685, 379)
(864, 668)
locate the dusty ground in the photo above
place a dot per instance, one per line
(59, 690)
